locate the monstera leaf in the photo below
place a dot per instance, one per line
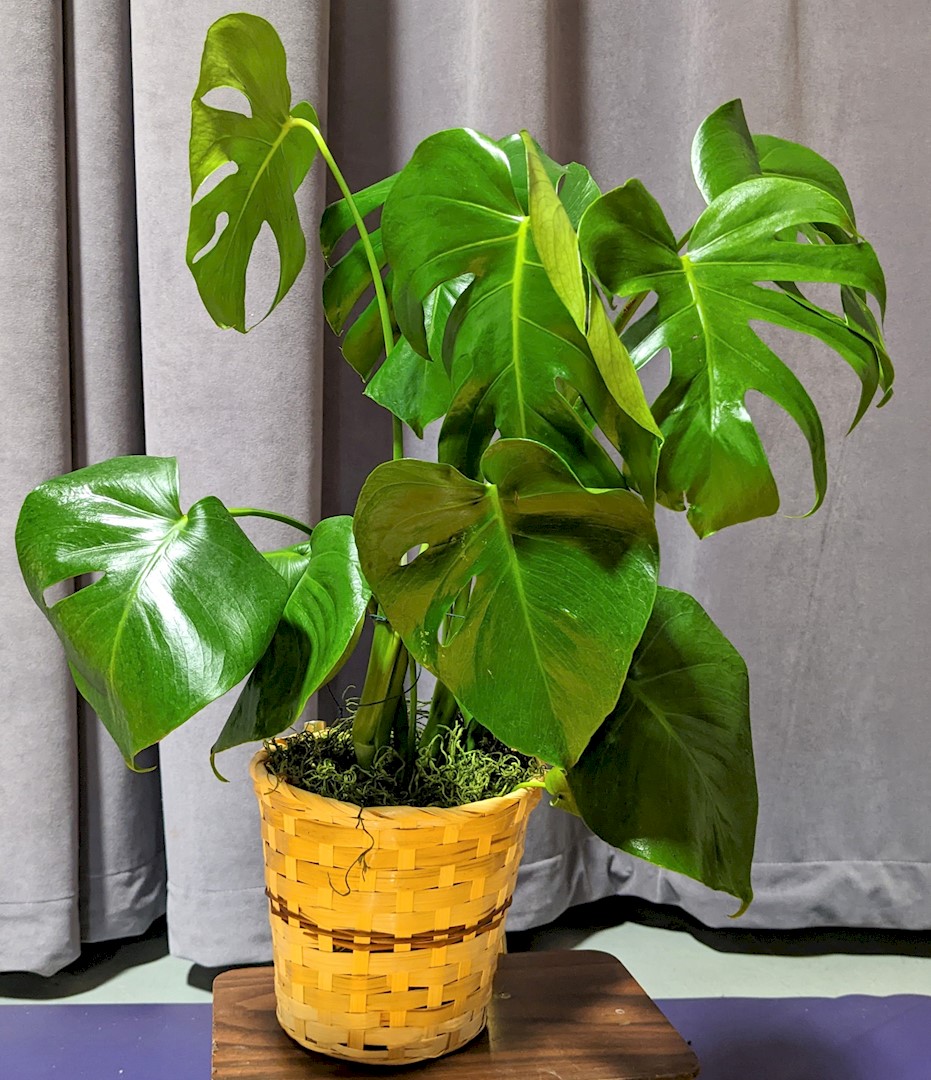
(417, 389)
(290, 562)
(724, 153)
(319, 626)
(559, 580)
(184, 607)
(516, 353)
(635, 434)
(350, 278)
(669, 776)
(712, 460)
(270, 154)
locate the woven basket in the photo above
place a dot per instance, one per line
(386, 922)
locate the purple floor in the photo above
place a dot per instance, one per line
(850, 1038)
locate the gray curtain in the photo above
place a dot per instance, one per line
(106, 350)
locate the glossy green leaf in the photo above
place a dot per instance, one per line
(349, 279)
(319, 625)
(337, 219)
(185, 605)
(417, 389)
(555, 238)
(516, 352)
(724, 154)
(290, 562)
(561, 582)
(634, 431)
(712, 461)
(779, 157)
(271, 156)
(577, 190)
(669, 776)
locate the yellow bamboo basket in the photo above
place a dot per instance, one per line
(387, 922)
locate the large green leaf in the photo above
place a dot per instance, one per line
(417, 389)
(724, 153)
(516, 353)
(559, 580)
(635, 432)
(712, 460)
(271, 156)
(319, 625)
(184, 607)
(349, 279)
(290, 562)
(669, 776)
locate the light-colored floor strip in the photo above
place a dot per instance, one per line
(671, 964)
(668, 963)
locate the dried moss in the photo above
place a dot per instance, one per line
(460, 770)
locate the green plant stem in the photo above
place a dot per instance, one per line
(376, 714)
(630, 309)
(397, 428)
(443, 709)
(383, 309)
(381, 693)
(251, 511)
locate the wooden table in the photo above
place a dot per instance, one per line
(560, 1015)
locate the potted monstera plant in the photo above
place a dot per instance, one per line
(507, 295)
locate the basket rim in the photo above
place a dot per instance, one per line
(266, 783)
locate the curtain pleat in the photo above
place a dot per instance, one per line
(106, 350)
(38, 767)
(121, 856)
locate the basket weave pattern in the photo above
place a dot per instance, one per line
(387, 922)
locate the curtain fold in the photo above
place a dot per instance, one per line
(121, 864)
(39, 926)
(106, 350)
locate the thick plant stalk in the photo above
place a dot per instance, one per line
(443, 710)
(381, 693)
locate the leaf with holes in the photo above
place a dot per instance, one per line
(185, 605)
(271, 151)
(319, 628)
(669, 776)
(724, 153)
(516, 355)
(562, 581)
(712, 460)
(349, 279)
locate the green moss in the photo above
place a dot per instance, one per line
(460, 769)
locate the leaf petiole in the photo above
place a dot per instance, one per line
(251, 511)
(397, 431)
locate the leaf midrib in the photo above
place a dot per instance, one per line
(673, 735)
(260, 172)
(520, 248)
(707, 333)
(133, 593)
(514, 567)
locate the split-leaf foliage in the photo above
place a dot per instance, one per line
(492, 289)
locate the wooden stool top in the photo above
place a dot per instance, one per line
(566, 1014)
